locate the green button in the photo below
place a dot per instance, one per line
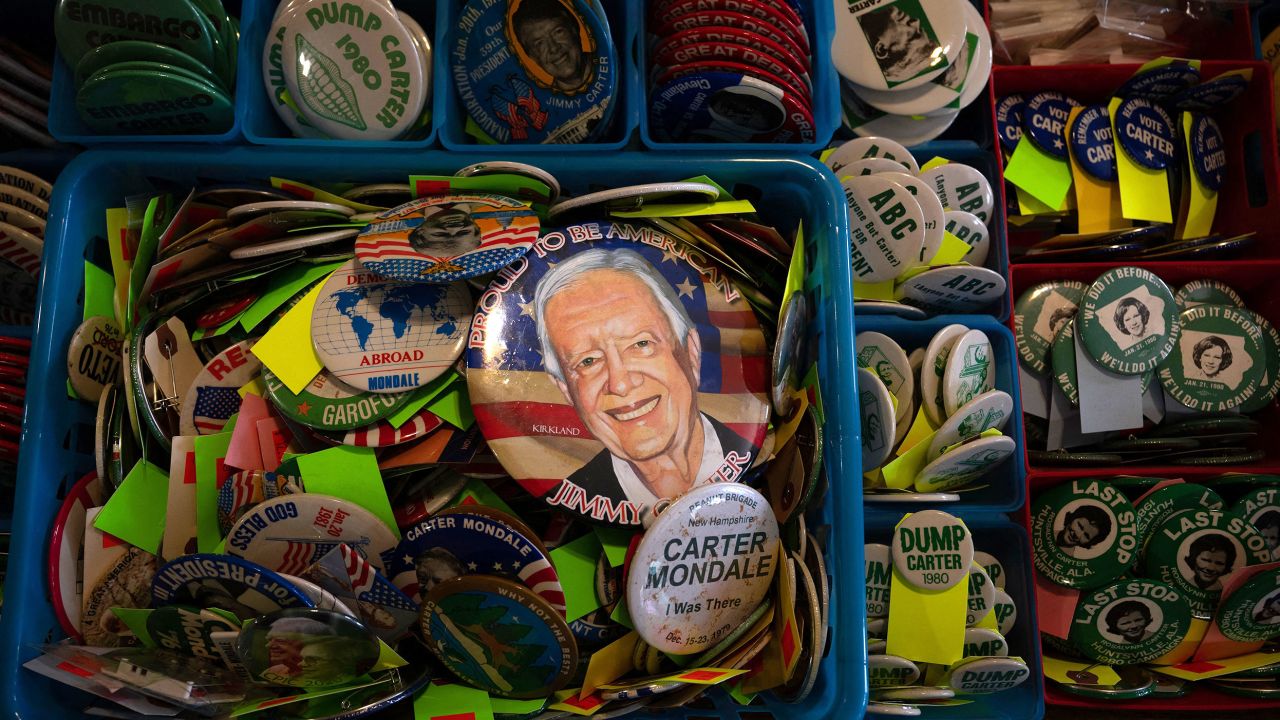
(1170, 500)
(1195, 550)
(1261, 507)
(1039, 314)
(330, 404)
(1085, 533)
(82, 26)
(140, 102)
(1252, 612)
(1218, 362)
(1130, 622)
(1207, 292)
(1269, 383)
(1128, 320)
(135, 50)
(1062, 360)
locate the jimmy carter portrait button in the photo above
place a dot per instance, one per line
(897, 44)
(93, 357)
(1208, 152)
(1092, 143)
(1084, 534)
(1262, 508)
(214, 395)
(1044, 120)
(1130, 622)
(614, 366)
(1252, 612)
(443, 238)
(1156, 507)
(879, 421)
(1128, 320)
(289, 533)
(1219, 361)
(932, 368)
(932, 550)
(1009, 119)
(224, 582)
(534, 71)
(1038, 315)
(880, 354)
(879, 571)
(1196, 549)
(702, 568)
(1146, 133)
(1207, 291)
(328, 403)
(388, 336)
(307, 648)
(887, 225)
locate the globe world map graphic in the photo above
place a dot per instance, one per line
(389, 316)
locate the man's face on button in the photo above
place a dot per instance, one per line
(553, 44)
(448, 233)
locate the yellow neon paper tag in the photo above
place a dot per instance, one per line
(901, 473)
(926, 626)
(731, 207)
(935, 162)
(921, 428)
(873, 291)
(609, 663)
(1098, 200)
(1043, 176)
(1201, 202)
(952, 251)
(1144, 193)
(286, 349)
(255, 387)
(1057, 669)
(1225, 666)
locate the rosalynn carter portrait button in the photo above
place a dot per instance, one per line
(1157, 506)
(932, 550)
(1207, 291)
(387, 336)
(1092, 142)
(1269, 386)
(1262, 508)
(1084, 533)
(1130, 622)
(534, 71)
(1193, 551)
(1252, 612)
(1219, 361)
(702, 567)
(1038, 315)
(1146, 133)
(1045, 121)
(1128, 320)
(610, 368)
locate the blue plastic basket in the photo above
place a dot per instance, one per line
(65, 123)
(799, 189)
(1005, 488)
(624, 26)
(819, 20)
(1008, 543)
(254, 109)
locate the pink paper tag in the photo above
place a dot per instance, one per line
(1055, 607)
(244, 451)
(1216, 645)
(273, 440)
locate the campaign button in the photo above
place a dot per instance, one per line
(307, 648)
(789, 351)
(969, 371)
(1146, 133)
(702, 567)
(991, 409)
(388, 336)
(721, 19)
(188, 631)
(24, 200)
(508, 167)
(1199, 548)
(1039, 313)
(800, 63)
(985, 675)
(94, 357)
(969, 229)
(932, 550)
(1129, 320)
(891, 671)
(1134, 683)
(921, 693)
(443, 238)
(866, 148)
(982, 597)
(930, 207)
(66, 552)
(870, 166)
(933, 368)
(1214, 93)
(79, 28)
(1158, 506)
(1130, 622)
(123, 101)
(960, 187)
(1208, 152)
(1207, 292)
(1218, 363)
(1252, 612)
(879, 421)
(234, 584)
(1009, 120)
(1262, 508)
(887, 225)
(1006, 612)
(1092, 142)
(878, 353)
(289, 533)
(995, 570)
(721, 106)
(465, 619)
(964, 464)
(22, 219)
(879, 572)
(21, 248)
(23, 180)
(1160, 82)
(1085, 534)
(1044, 119)
(896, 46)
(633, 197)
(984, 642)
(1062, 361)
(214, 396)
(327, 403)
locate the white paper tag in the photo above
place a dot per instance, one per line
(1035, 392)
(1107, 401)
(1153, 402)
(1064, 424)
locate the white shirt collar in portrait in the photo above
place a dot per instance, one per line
(639, 493)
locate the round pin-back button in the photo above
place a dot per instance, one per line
(244, 489)
(891, 46)
(1145, 132)
(932, 369)
(871, 166)
(1134, 683)
(1092, 143)
(1214, 93)
(982, 597)
(1207, 291)
(1130, 622)
(1044, 119)
(922, 693)
(1200, 547)
(388, 336)
(213, 396)
(187, 631)
(691, 582)
(223, 311)
(1252, 612)
(891, 671)
(24, 200)
(353, 82)
(22, 219)
(1085, 534)
(961, 187)
(444, 238)
(969, 229)
(330, 404)
(718, 106)
(1261, 507)
(781, 15)
(865, 148)
(879, 421)
(1039, 313)
(880, 354)
(1219, 361)
(887, 226)
(549, 329)
(895, 309)
(116, 578)
(23, 180)
(970, 371)
(891, 709)
(300, 241)
(93, 357)
(322, 210)
(932, 550)
(1009, 120)
(964, 464)
(1160, 82)
(1158, 506)
(507, 167)
(789, 351)
(930, 207)
(309, 648)
(457, 542)
(21, 248)
(785, 35)
(1006, 612)
(672, 56)
(1062, 361)
(990, 563)
(384, 434)
(985, 675)
(164, 103)
(224, 582)
(180, 26)
(66, 552)
(984, 642)
(672, 45)
(1129, 320)
(529, 74)
(1208, 152)
(633, 197)
(289, 533)
(879, 571)
(466, 621)
(988, 410)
